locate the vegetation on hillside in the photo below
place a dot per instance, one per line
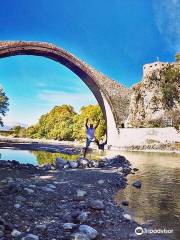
(169, 86)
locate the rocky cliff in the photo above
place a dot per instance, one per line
(155, 101)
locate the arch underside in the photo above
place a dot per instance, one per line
(107, 92)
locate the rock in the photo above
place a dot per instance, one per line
(51, 186)
(66, 166)
(17, 205)
(101, 164)
(15, 233)
(67, 217)
(29, 190)
(32, 186)
(127, 216)
(46, 167)
(89, 231)
(41, 227)
(2, 228)
(60, 163)
(20, 199)
(94, 164)
(30, 237)
(135, 169)
(137, 184)
(73, 164)
(47, 189)
(83, 162)
(97, 204)
(101, 181)
(83, 216)
(120, 169)
(79, 236)
(1, 233)
(75, 213)
(81, 193)
(69, 226)
(125, 203)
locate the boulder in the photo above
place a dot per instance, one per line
(83, 162)
(60, 163)
(89, 231)
(73, 164)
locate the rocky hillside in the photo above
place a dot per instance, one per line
(155, 101)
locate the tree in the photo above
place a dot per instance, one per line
(57, 124)
(170, 86)
(4, 103)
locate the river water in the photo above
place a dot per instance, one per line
(158, 200)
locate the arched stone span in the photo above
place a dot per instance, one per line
(112, 97)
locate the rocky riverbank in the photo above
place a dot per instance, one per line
(63, 204)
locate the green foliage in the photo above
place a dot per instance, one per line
(93, 113)
(57, 124)
(62, 123)
(17, 129)
(178, 57)
(4, 103)
(170, 85)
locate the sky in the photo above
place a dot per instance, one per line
(115, 37)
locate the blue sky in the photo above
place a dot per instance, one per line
(116, 37)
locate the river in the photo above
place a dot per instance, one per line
(157, 201)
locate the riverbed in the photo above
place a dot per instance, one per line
(158, 200)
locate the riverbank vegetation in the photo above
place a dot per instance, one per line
(63, 123)
(4, 103)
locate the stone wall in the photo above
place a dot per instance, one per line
(141, 136)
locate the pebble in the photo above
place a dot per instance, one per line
(15, 233)
(47, 189)
(83, 216)
(137, 184)
(81, 193)
(101, 181)
(41, 226)
(20, 198)
(29, 190)
(89, 231)
(97, 204)
(125, 203)
(127, 216)
(51, 186)
(79, 236)
(17, 205)
(30, 237)
(69, 226)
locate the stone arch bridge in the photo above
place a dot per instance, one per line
(112, 97)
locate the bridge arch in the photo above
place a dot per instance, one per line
(107, 92)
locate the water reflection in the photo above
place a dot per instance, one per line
(159, 197)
